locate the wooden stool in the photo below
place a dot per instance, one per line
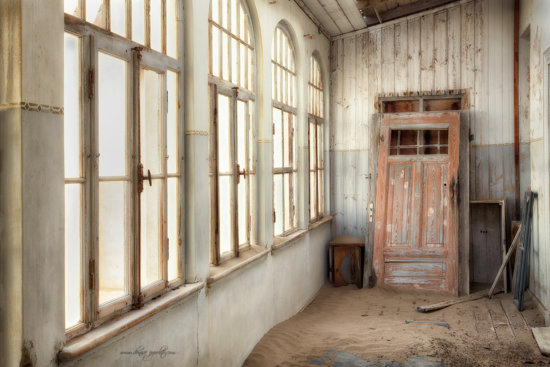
(340, 249)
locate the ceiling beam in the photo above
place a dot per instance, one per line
(402, 11)
(312, 17)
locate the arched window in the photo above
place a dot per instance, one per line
(231, 80)
(315, 133)
(284, 121)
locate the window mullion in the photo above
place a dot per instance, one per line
(233, 136)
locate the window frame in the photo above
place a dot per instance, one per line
(316, 105)
(284, 99)
(94, 40)
(237, 91)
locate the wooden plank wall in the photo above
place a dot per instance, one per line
(467, 45)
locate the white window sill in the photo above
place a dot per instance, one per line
(86, 342)
(218, 272)
(280, 242)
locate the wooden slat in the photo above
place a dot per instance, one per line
(427, 52)
(441, 43)
(413, 64)
(401, 57)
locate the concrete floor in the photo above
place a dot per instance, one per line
(367, 327)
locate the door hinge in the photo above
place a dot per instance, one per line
(91, 271)
(274, 217)
(91, 83)
(273, 129)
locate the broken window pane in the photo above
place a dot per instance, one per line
(95, 12)
(72, 7)
(112, 116)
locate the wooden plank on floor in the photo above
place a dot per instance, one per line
(516, 320)
(483, 323)
(500, 320)
(542, 336)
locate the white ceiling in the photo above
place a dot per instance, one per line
(337, 16)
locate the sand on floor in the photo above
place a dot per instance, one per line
(370, 324)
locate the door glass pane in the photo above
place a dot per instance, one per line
(151, 232)
(73, 254)
(277, 139)
(173, 229)
(138, 21)
(95, 12)
(224, 213)
(156, 25)
(224, 143)
(278, 204)
(72, 107)
(171, 29)
(118, 17)
(112, 240)
(172, 123)
(151, 118)
(112, 116)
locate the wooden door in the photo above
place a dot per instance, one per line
(416, 226)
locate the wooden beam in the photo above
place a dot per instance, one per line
(312, 17)
(405, 10)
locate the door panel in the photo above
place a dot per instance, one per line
(416, 216)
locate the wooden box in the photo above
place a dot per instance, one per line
(346, 254)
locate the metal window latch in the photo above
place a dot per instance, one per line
(239, 173)
(141, 178)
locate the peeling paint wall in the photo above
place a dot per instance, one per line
(467, 45)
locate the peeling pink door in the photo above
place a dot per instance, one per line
(416, 228)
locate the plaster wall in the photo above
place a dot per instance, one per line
(219, 325)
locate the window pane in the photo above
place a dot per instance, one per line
(94, 12)
(277, 139)
(321, 192)
(234, 61)
(224, 143)
(288, 204)
(151, 117)
(215, 51)
(312, 196)
(320, 146)
(156, 25)
(112, 116)
(112, 240)
(224, 213)
(225, 53)
(225, 13)
(171, 28)
(138, 21)
(278, 204)
(287, 140)
(174, 227)
(151, 232)
(71, 7)
(215, 9)
(72, 107)
(118, 17)
(243, 210)
(241, 134)
(73, 253)
(173, 122)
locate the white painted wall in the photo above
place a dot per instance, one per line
(220, 325)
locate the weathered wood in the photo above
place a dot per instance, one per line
(420, 191)
(427, 53)
(455, 301)
(511, 250)
(542, 336)
(405, 10)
